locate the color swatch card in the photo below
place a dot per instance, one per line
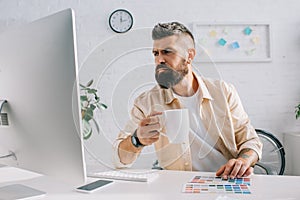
(214, 188)
(210, 180)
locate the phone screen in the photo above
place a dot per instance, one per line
(94, 185)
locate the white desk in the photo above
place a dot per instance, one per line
(167, 186)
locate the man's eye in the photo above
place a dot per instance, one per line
(155, 53)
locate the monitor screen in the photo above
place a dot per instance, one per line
(39, 81)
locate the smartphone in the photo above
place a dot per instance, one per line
(91, 187)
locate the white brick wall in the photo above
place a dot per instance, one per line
(269, 91)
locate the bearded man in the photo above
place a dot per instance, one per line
(221, 138)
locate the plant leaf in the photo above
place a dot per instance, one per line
(102, 106)
(89, 83)
(86, 129)
(297, 111)
(92, 91)
(83, 86)
(88, 134)
(83, 98)
(88, 115)
(93, 107)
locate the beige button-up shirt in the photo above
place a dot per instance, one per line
(221, 112)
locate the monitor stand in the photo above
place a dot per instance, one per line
(16, 191)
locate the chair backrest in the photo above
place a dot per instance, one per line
(273, 155)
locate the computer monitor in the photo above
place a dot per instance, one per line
(41, 123)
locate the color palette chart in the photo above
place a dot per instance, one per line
(204, 188)
(208, 184)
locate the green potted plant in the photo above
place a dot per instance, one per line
(90, 102)
(297, 111)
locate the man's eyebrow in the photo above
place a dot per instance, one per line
(154, 51)
(166, 48)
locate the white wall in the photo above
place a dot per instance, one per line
(269, 90)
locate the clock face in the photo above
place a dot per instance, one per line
(120, 21)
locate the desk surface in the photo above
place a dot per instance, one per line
(167, 186)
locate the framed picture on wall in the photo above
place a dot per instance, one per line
(232, 42)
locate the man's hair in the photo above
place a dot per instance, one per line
(162, 30)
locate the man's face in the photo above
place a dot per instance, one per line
(170, 61)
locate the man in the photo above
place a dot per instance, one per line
(221, 137)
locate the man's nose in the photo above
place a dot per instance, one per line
(160, 59)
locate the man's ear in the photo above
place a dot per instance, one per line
(191, 54)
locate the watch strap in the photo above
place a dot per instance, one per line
(135, 140)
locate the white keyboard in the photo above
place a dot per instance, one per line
(140, 176)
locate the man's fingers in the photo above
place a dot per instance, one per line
(243, 170)
(149, 120)
(249, 171)
(228, 168)
(220, 171)
(154, 113)
(150, 140)
(236, 168)
(147, 130)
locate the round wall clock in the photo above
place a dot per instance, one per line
(120, 21)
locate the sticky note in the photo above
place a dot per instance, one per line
(225, 31)
(247, 30)
(202, 41)
(255, 40)
(213, 33)
(235, 45)
(222, 42)
(250, 52)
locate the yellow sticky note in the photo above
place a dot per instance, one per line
(255, 40)
(213, 33)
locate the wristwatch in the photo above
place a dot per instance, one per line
(135, 140)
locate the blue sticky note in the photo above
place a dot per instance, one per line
(235, 45)
(248, 30)
(222, 42)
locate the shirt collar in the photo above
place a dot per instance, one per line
(169, 96)
(203, 89)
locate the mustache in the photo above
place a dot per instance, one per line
(163, 68)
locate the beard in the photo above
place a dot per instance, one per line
(167, 77)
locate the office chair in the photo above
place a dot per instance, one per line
(273, 155)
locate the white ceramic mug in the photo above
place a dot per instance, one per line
(176, 125)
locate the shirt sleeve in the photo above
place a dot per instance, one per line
(245, 134)
(116, 159)
(131, 126)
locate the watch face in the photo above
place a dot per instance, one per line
(120, 21)
(134, 142)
